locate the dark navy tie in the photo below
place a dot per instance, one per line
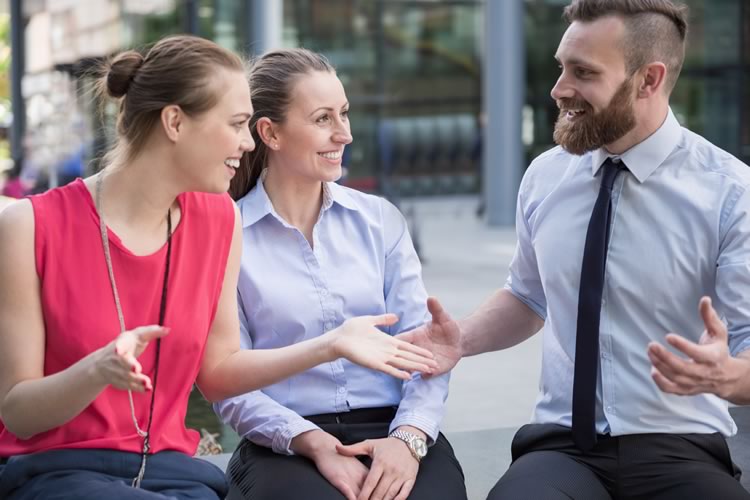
(589, 309)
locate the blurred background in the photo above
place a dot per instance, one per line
(449, 103)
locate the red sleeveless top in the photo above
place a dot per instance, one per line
(80, 314)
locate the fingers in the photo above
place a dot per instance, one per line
(394, 372)
(373, 478)
(419, 351)
(353, 450)
(669, 365)
(699, 353)
(402, 363)
(714, 325)
(405, 490)
(345, 490)
(671, 387)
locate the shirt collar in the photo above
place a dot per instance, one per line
(256, 204)
(646, 156)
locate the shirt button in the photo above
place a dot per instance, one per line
(342, 390)
(324, 292)
(328, 325)
(609, 408)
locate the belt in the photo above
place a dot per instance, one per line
(382, 415)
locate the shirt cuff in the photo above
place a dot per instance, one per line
(282, 441)
(421, 422)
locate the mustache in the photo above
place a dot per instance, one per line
(570, 103)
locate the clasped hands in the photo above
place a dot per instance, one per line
(709, 366)
(391, 475)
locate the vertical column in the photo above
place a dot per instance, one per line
(17, 54)
(264, 23)
(191, 17)
(504, 96)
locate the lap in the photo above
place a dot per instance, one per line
(256, 472)
(84, 474)
(550, 475)
(632, 467)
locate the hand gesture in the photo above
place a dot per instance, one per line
(346, 474)
(118, 366)
(709, 368)
(393, 471)
(441, 336)
(360, 342)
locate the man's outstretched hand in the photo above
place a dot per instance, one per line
(441, 336)
(709, 367)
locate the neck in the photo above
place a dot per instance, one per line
(646, 126)
(140, 193)
(297, 200)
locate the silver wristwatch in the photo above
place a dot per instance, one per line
(417, 445)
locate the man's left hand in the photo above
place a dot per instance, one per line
(393, 471)
(710, 368)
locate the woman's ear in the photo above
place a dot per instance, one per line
(267, 133)
(172, 121)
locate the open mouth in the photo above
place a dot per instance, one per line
(572, 114)
(331, 155)
(232, 163)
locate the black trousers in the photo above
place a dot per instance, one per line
(257, 473)
(547, 465)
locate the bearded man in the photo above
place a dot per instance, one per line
(629, 230)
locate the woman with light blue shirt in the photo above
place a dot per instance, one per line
(315, 254)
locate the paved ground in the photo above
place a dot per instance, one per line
(491, 394)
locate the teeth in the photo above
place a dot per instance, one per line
(232, 162)
(331, 156)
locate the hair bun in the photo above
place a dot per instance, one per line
(121, 72)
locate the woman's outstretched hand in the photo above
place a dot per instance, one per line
(119, 366)
(359, 341)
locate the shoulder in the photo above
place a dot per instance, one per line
(17, 227)
(711, 159)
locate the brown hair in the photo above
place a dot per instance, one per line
(176, 70)
(656, 30)
(272, 80)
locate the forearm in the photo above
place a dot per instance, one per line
(247, 370)
(502, 321)
(313, 443)
(34, 406)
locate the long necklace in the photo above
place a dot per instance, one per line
(162, 310)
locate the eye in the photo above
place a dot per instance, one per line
(583, 73)
(240, 124)
(345, 114)
(323, 119)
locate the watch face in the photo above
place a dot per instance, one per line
(420, 447)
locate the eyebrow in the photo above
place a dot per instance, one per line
(577, 62)
(242, 115)
(328, 108)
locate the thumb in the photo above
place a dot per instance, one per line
(353, 450)
(436, 310)
(714, 326)
(384, 319)
(151, 332)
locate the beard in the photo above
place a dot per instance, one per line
(593, 130)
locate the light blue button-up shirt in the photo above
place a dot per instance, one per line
(680, 229)
(362, 263)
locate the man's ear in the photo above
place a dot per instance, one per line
(267, 132)
(172, 119)
(653, 76)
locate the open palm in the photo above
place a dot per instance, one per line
(441, 336)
